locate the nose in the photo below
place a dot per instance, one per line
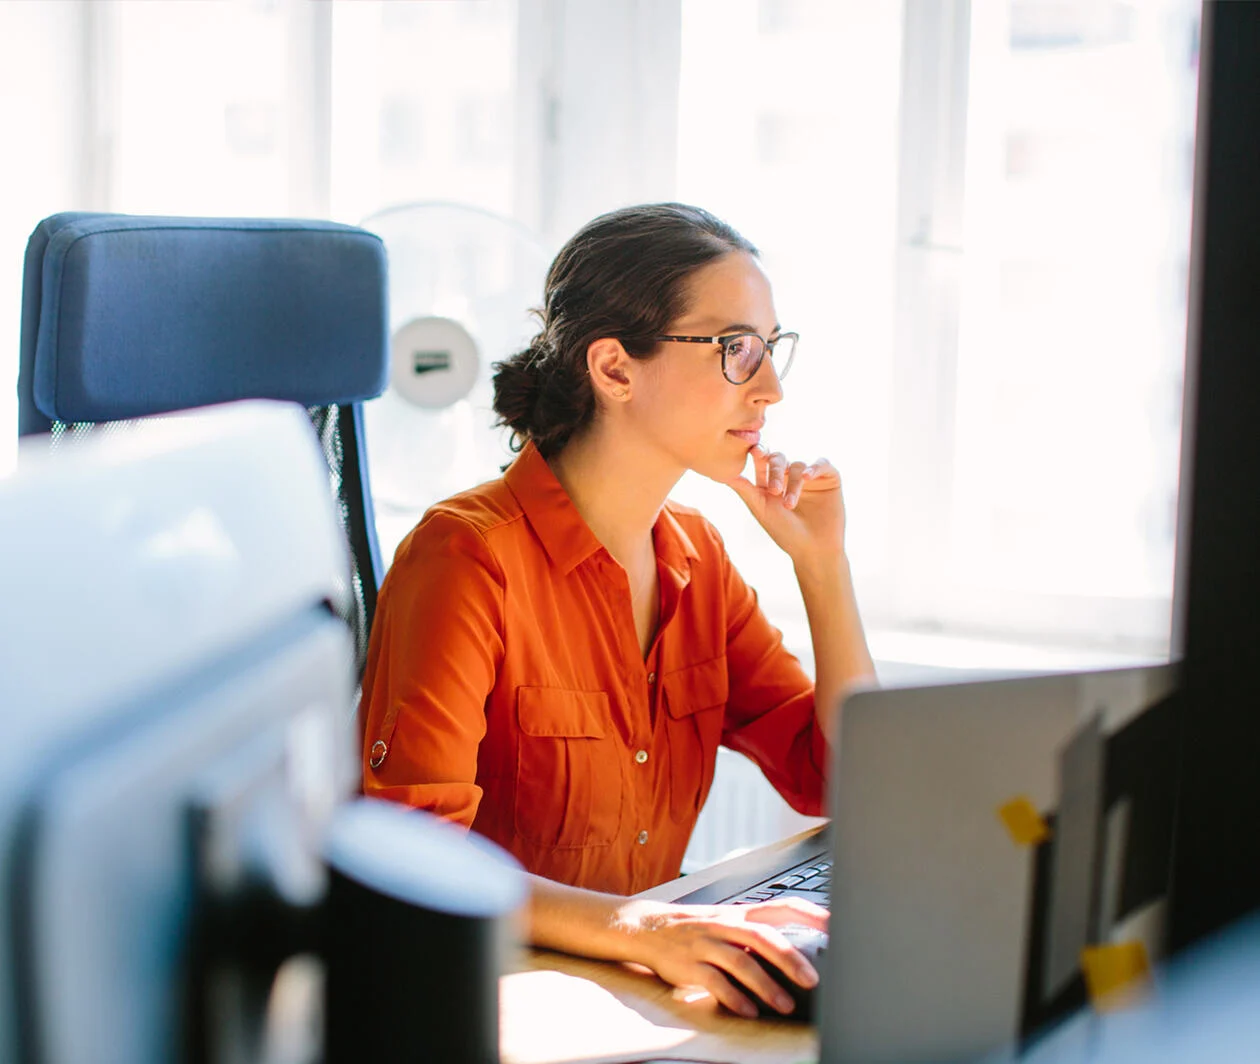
(765, 383)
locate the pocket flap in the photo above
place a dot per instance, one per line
(553, 711)
(696, 687)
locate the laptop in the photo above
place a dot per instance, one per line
(989, 842)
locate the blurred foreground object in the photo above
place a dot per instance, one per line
(1205, 1006)
(174, 747)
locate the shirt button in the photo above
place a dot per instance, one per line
(379, 750)
(651, 677)
(640, 756)
(642, 838)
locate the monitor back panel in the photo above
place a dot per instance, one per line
(106, 885)
(944, 916)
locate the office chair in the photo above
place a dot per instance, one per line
(126, 316)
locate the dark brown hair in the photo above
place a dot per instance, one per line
(622, 275)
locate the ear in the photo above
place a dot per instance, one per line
(610, 370)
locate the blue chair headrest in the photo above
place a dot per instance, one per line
(125, 316)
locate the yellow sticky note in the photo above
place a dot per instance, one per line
(1115, 975)
(1022, 820)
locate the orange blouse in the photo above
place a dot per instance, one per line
(505, 688)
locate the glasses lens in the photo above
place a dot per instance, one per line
(782, 353)
(743, 356)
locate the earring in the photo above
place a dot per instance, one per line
(620, 393)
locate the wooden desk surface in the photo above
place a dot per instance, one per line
(556, 1008)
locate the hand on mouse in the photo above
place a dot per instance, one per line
(706, 945)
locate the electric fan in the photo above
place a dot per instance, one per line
(461, 283)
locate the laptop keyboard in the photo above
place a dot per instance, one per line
(810, 879)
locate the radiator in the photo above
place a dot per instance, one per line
(742, 812)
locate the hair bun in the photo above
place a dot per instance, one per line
(517, 382)
(541, 348)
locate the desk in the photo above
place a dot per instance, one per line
(556, 1008)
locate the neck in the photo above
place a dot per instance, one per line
(618, 486)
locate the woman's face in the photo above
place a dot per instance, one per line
(683, 404)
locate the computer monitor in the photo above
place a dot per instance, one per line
(1216, 872)
(167, 646)
(998, 848)
(180, 876)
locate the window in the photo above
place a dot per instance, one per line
(43, 161)
(1071, 333)
(1003, 289)
(983, 206)
(209, 129)
(422, 105)
(796, 144)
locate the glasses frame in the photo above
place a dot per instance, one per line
(725, 341)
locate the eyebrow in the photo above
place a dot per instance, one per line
(739, 327)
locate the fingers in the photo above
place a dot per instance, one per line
(769, 468)
(781, 911)
(775, 475)
(745, 489)
(761, 463)
(732, 962)
(796, 474)
(776, 469)
(763, 938)
(715, 951)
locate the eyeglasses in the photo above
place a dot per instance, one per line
(742, 352)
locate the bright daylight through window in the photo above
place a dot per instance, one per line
(976, 215)
(989, 223)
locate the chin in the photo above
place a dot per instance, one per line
(722, 467)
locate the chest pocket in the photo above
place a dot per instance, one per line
(695, 704)
(568, 771)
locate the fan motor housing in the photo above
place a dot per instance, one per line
(434, 362)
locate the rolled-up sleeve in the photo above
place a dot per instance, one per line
(770, 715)
(436, 647)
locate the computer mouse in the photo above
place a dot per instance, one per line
(813, 944)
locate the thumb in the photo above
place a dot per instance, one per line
(746, 490)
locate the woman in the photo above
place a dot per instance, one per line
(557, 654)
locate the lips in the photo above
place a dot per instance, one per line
(752, 437)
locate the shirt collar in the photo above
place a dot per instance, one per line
(673, 546)
(566, 537)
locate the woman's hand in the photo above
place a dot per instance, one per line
(800, 505)
(703, 945)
